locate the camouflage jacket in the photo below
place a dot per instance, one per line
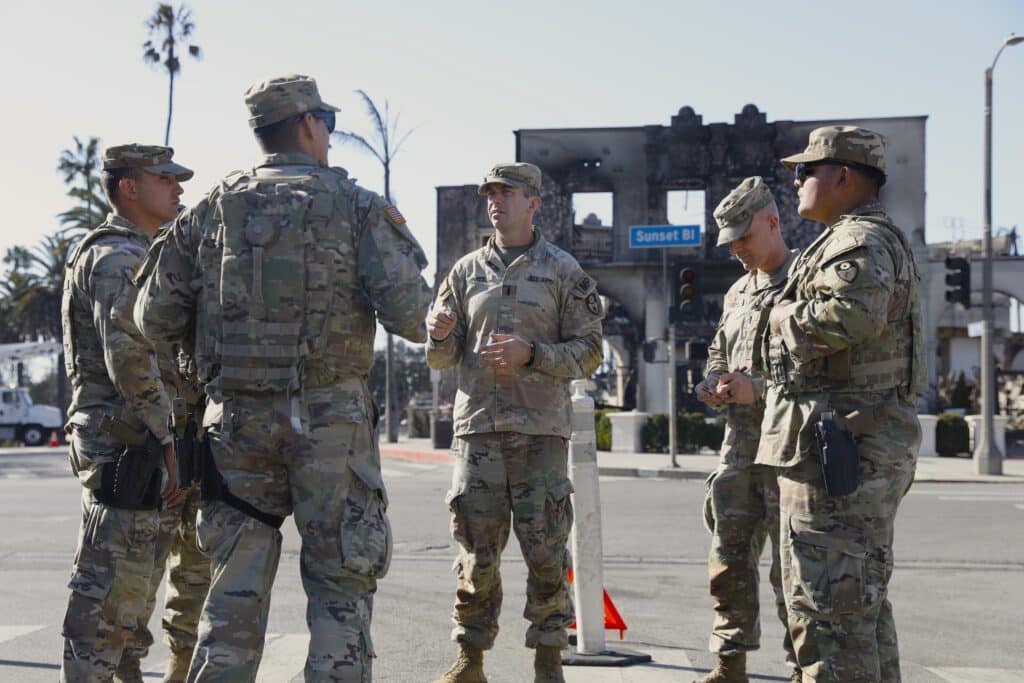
(733, 348)
(853, 339)
(367, 265)
(545, 298)
(111, 367)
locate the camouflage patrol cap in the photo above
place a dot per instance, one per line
(735, 213)
(518, 174)
(842, 143)
(153, 159)
(275, 99)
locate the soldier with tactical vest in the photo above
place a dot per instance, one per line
(742, 505)
(120, 445)
(279, 275)
(844, 357)
(520, 319)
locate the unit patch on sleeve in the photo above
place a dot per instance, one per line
(847, 271)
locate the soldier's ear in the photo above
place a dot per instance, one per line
(127, 188)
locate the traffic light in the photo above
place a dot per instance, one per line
(686, 304)
(959, 279)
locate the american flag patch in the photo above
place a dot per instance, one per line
(394, 215)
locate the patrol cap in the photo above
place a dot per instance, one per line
(275, 99)
(153, 159)
(858, 146)
(735, 213)
(518, 174)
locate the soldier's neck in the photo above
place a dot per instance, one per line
(149, 226)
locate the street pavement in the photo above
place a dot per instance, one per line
(957, 588)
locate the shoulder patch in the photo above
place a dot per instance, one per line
(847, 271)
(593, 304)
(393, 214)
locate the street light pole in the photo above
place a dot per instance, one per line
(987, 457)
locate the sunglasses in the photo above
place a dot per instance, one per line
(805, 170)
(327, 117)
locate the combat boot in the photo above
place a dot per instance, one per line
(731, 668)
(129, 669)
(468, 667)
(796, 677)
(547, 665)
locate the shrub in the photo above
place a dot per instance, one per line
(952, 436)
(603, 427)
(654, 434)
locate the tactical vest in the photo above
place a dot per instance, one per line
(70, 335)
(892, 360)
(281, 306)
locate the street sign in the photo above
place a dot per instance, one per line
(653, 236)
(976, 328)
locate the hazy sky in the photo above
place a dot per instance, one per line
(469, 73)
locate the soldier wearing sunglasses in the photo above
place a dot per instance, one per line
(843, 352)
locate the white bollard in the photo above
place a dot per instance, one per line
(587, 553)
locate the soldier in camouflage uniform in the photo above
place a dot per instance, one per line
(520, 319)
(189, 576)
(117, 395)
(742, 505)
(279, 275)
(847, 339)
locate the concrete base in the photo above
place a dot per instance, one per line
(626, 428)
(928, 425)
(998, 429)
(618, 657)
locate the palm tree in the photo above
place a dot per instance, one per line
(384, 147)
(80, 168)
(172, 30)
(34, 286)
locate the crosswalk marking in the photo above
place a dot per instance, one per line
(12, 632)
(284, 657)
(971, 675)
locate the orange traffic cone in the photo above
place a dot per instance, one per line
(54, 441)
(613, 621)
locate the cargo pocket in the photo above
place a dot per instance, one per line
(828, 570)
(709, 505)
(91, 579)
(366, 541)
(558, 512)
(455, 499)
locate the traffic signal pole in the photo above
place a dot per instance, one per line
(671, 338)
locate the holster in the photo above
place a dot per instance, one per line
(213, 487)
(132, 480)
(186, 444)
(840, 459)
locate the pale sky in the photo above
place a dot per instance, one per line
(469, 73)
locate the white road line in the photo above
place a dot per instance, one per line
(388, 473)
(969, 675)
(12, 632)
(1019, 506)
(980, 499)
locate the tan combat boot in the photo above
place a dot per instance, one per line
(731, 668)
(468, 667)
(547, 665)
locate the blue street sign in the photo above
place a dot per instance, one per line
(651, 236)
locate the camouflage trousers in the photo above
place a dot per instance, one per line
(741, 512)
(505, 480)
(837, 560)
(109, 584)
(187, 583)
(330, 478)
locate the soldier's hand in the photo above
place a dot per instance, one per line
(505, 352)
(440, 323)
(779, 313)
(170, 493)
(705, 392)
(736, 387)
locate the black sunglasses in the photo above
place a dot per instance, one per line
(804, 170)
(327, 117)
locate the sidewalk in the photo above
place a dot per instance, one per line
(699, 466)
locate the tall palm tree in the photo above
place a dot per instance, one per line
(384, 144)
(169, 31)
(80, 168)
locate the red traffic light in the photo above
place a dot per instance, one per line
(687, 275)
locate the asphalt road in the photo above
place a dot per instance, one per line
(958, 589)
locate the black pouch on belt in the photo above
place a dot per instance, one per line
(840, 459)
